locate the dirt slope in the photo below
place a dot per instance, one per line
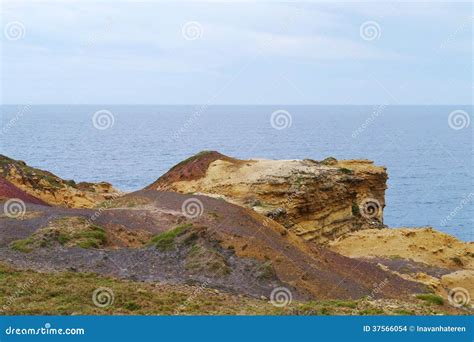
(227, 247)
(8, 190)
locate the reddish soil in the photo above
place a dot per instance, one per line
(8, 190)
(260, 253)
(192, 168)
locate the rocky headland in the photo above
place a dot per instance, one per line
(243, 228)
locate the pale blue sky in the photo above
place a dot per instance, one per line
(86, 52)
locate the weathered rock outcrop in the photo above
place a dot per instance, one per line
(51, 189)
(421, 254)
(318, 200)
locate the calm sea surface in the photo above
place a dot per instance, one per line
(430, 164)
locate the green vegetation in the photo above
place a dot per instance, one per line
(68, 231)
(346, 171)
(24, 245)
(166, 240)
(342, 303)
(404, 312)
(66, 293)
(132, 306)
(371, 311)
(266, 270)
(431, 298)
(190, 159)
(355, 209)
(457, 261)
(329, 161)
(32, 173)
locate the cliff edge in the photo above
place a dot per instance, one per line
(317, 200)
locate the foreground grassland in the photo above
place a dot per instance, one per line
(70, 293)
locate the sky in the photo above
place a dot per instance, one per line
(240, 52)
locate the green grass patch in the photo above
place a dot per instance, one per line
(355, 209)
(371, 312)
(67, 231)
(24, 245)
(431, 298)
(344, 303)
(457, 261)
(166, 240)
(346, 171)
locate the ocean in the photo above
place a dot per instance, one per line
(428, 153)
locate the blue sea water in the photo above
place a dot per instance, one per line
(429, 163)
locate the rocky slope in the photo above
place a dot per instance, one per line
(317, 200)
(51, 189)
(235, 226)
(9, 191)
(148, 236)
(421, 254)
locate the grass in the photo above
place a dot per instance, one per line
(329, 161)
(166, 240)
(67, 231)
(266, 270)
(70, 293)
(32, 173)
(457, 261)
(431, 299)
(346, 171)
(371, 312)
(355, 209)
(404, 312)
(190, 159)
(344, 303)
(24, 245)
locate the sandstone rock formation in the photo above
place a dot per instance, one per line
(317, 200)
(420, 254)
(51, 189)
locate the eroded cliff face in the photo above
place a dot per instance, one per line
(53, 190)
(420, 254)
(318, 201)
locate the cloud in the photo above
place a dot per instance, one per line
(69, 42)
